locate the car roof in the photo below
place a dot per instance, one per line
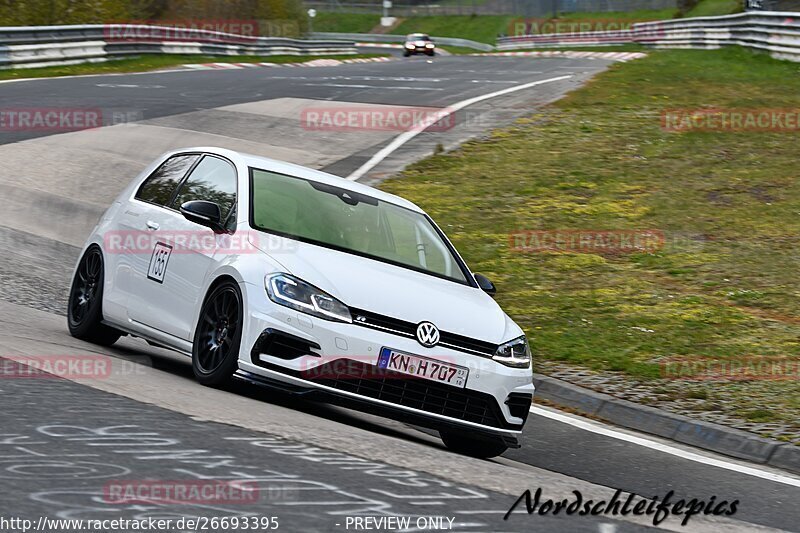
(418, 35)
(282, 167)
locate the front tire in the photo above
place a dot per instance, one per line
(465, 444)
(218, 335)
(85, 305)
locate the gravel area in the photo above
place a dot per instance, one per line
(718, 402)
(35, 271)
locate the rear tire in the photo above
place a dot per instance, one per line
(465, 444)
(85, 304)
(218, 335)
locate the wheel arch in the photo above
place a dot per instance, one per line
(225, 275)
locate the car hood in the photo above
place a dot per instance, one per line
(398, 292)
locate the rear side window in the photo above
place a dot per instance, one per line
(212, 180)
(160, 186)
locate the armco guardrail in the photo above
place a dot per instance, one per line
(389, 38)
(550, 40)
(775, 32)
(39, 46)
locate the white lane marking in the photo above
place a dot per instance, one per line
(362, 78)
(600, 429)
(193, 66)
(406, 136)
(128, 86)
(353, 86)
(494, 81)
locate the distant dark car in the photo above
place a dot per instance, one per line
(419, 43)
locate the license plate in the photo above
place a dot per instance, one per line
(422, 367)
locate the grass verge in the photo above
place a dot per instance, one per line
(709, 8)
(486, 28)
(724, 286)
(345, 22)
(481, 28)
(148, 63)
(640, 15)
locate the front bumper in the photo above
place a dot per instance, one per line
(419, 50)
(282, 347)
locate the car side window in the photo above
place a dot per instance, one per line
(212, 180)
(160, 186)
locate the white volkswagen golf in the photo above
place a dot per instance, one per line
(293, 278)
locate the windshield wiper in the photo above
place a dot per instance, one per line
(348, 197)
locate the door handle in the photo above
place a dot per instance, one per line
(152, 226)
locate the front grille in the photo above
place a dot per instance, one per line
(417, 393)
(409, 329)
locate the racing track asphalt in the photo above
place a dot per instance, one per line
(34, 274)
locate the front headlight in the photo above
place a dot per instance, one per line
(295, 293)
(429, 45)
(516, 353)
(409, 45)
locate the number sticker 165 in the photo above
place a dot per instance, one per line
(158, 262)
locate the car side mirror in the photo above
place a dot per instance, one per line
(204, 213)
(486, 285)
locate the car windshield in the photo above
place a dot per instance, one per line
(418, 37)
(336, 218)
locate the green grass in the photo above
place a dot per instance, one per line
(628, 16)
(155, 62)
(486, 28)
(584, 22)
(725, 284)
(482, 28)
(345, 22)
(458, 50)
(708, 8)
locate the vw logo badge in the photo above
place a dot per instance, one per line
(427, 334)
